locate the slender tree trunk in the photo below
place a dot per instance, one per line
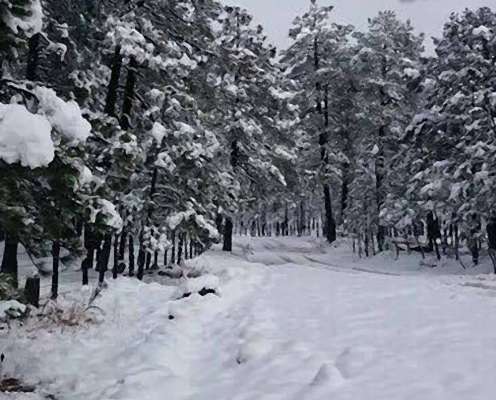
(228, 229)
(113, 85)
(148, 260)
(90, 245)
(141, 259)
(115, 267)
(155, 260)
(55, 269)
(173, 249)
(9, 261)
(122, 246)
(180, 248)
(104, 259)
(344, 190)
(129, 94)
(330, 223)
(131, 255)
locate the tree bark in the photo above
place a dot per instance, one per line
(180, 248)
(129, 94)
(115, 267)
(173, 249)
(228, 230)
(55, 269)
(131, 255)
(113, 85)
(329, 223)
(141, 260)
(104, 258)
(33, 57)
(90, 244)
(9, 261)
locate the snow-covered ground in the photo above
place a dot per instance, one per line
(292, 320)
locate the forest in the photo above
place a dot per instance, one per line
(137, 134)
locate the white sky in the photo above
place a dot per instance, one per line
(427, 16)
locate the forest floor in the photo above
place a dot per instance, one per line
(292, 319)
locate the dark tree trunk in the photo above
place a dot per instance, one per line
(33, 57)
(191, 249)
(129, 94)
(115, 267)
(55, 269)
(228, 231)
(180, 248)
(9, 261)
(32, 291)
(122, 246)
(104, 258)
(90, 244)
(218, 223)
(329, 223)
(344, 190)
(141, 259)
(165, 258)
(173, 250)
(113, 85)
(155, 260)
(148, 260)
(131, 255)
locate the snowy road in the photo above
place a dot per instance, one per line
(294, 321)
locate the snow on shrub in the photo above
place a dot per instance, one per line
(64, 116)
(25, 137)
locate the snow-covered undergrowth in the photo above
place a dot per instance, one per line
(289, 319)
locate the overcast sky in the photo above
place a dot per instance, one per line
(427, 16)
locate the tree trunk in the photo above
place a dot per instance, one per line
(122, 246)
(173, 250)
(344, 190)
(9, 261)
(228, 231)
(33, 57)
(131, 255)
(32, 291)
(55, 269)
(115, 267)
(329, 223)
(180, 248)
(104, 258)
(113, 85)
(141, 259)
(129, 94)
(90, 244)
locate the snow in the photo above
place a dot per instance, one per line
(25, 137)
(11, 308)
(293, 319)
(64, 116)
(483, 31)
(158, 132)
(30, 24)
(112, 217)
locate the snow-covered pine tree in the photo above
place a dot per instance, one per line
(387, 60)
(311, 61)
(452, 139)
